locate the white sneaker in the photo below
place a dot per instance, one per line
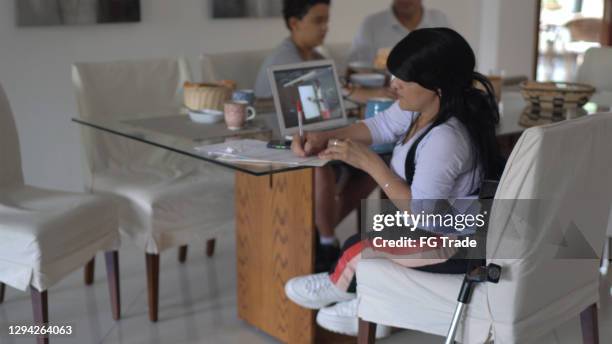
(342, 318)
(315, 291)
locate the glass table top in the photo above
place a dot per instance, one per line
(177, 133)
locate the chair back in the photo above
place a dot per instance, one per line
(10, 155)
(547, 226)
(596, 70)
(126, 89)
(241, 67)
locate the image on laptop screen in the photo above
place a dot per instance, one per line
(313, 89)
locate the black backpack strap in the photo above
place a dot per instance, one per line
(410, 163)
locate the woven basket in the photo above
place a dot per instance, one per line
(556, 95)
(199, 96)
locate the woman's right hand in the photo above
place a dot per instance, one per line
(311, 144)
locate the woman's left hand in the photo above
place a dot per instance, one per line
(353, 153)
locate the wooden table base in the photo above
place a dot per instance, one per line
(274, 242)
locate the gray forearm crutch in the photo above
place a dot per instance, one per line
(490, 273)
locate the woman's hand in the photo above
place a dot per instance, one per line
(353, 153)
(311, 144)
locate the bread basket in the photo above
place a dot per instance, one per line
(556, 95)
(199, 96)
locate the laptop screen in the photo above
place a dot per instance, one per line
(313, 89)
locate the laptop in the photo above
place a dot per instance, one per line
(312, 86)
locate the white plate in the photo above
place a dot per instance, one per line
(206, 116)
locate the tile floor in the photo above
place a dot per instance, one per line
(197, 305)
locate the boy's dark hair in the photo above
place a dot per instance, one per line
(299, 8)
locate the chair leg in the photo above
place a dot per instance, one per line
(88, 275)
(182, 254)
(41, 311)
(112, 275)
(588, 322)
(2, 287)
(367, 332)
(210, 247)
(153, 284)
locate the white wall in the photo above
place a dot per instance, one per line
(507, 36)
(35, 63)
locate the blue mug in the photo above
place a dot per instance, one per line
(373, 108)
(377, 105)
(244, 95)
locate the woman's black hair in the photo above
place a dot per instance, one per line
(299, 8)
(441, 60)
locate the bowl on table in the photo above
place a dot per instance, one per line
(361, 67)
(556, 95)
(370, 80)
(206, 116)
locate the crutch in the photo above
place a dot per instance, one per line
(490, 273)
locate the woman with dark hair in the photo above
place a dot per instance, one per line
(444, 129)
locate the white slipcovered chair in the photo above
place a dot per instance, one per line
(596, 70)
(241, 67)
(47, 234)
(168, 200)
(557, 176)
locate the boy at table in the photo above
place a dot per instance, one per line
(307, 21)
(338, 187)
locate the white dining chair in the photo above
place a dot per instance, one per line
(47, 234)
(547, 224)
(596, 70)
(169, 200)
(241, 66)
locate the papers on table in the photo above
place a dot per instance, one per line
(256, 152)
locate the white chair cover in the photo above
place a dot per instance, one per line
(241, 67)
(44, 234)
(169, 199)
(10, 155)
(596, 69)
(566, 166)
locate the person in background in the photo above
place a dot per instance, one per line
(385, 29)
(307, 21)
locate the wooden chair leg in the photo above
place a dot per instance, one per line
(367, 332)
(182, 254)
(40, 307)
(112, 275)
(210, 247)
(88, 275)
(153, 284)
(2, 288)
(588, 322)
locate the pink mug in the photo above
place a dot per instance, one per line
(237, 113)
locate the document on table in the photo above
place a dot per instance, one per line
(255, 151)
